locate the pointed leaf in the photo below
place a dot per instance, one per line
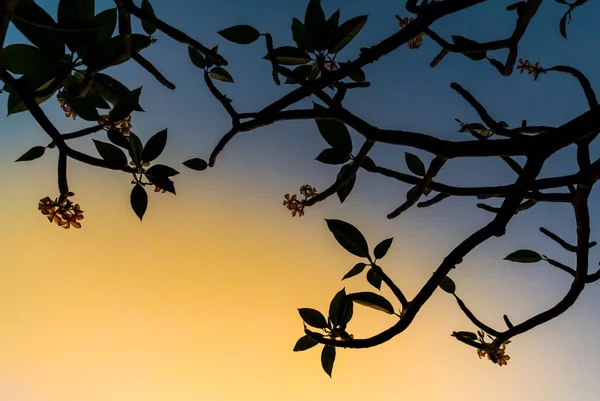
(196, 164)
(31, 61)
(116, 137)
(106, 21)
(196, 58)
(299, 35)
(304, 343)
(368, 164)
(209, 62)
(160, 170)
(349, 237)
(328, 359)
(344, 191)
(139, 200)
(162, 182)
(219, 73)
(289, 55)
(83, 107)
(315, 25)
(372, 300)
(136, 148)
(335, 134)
(374, 279)
(148, 27)
(240, 34)
(332, 156)
(302, 71)
(155, 146)
(111, 154)
(34, 153)
(313, 318)
(382, 248)
(111, 90)
(340, 309)
(524, 256)
(126, 105)
(346, 32)
(415, 165)
(447, 284)
(357, 269)
(47, 39)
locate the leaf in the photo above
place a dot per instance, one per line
(299, 35)
(30, 61)
(313, 318)
(148, 27)
(472, 127)
(111, 52)
(47, 39)
(111, 154)
(302, 71)
(162, 182)
(467, 335)
(289, 55)
(415, 165)
(335, 134)
(349, 237)
(563, 25)
(196, 164)
(346, 32)
(116, 137)
(508, 322)
(345, 190)
(15, 105)
(112, 90)
(341, 309)
(315, 25)
(357, 269)
(240, 34)
(76, 14)
(304, 343)
(136, 148)
(139, 200)
(34, 153)
(328, 359)
(209, 62)
(374, 279)
(448, 285)
(357, 75)
(332, 26)
(106, 21)
(219, 73)
(372, 300)
(126, 105)
(368, 164)
(196, 58)
(382, 248)
(83, 107)
(524, 256)
(465, 44)
(160, 170)
(155, 146)
(332, 156)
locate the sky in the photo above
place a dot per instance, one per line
(199, 301)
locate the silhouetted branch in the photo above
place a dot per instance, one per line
(148, 66)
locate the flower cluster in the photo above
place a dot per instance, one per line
(414, 42)
(69, 112)
(296, 206)
(532, 69)
(494, 351)
(123, 126)
(64, 213)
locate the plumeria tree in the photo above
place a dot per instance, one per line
(66, 59)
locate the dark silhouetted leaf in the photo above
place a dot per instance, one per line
(240, 34)
(563, 25)
(345, 190)
(220, 74)
(368, 164)
(34, 153)
(15, 105)
(349, 237)
(208, 61)
(372, 300)
(47, 39)
(196, 58)
(30, 61)
(126, 105)
(289, 55)
(106, 21)
(162, 182)
(374, 279)
(76, 14)
(111, 154)
(304, 343)
(148, 27)
(139, 200)
(155, 146)
(524, 256)
(346, 32)
(340, 309)
(382, 248)
(332, 26)
(313, 318)
(335, 134)
(357, 269)
(302, 71)
(333, 156)
(415, 165)
(111, 52)
(160, 170)
(447, 284)
(196, 164)
(83, 107)
(328, 359)
(111, 90)
(116, 137)
(136, 149)
(315, 25)
(299, 35)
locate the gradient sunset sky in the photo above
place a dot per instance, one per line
(199, 301)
